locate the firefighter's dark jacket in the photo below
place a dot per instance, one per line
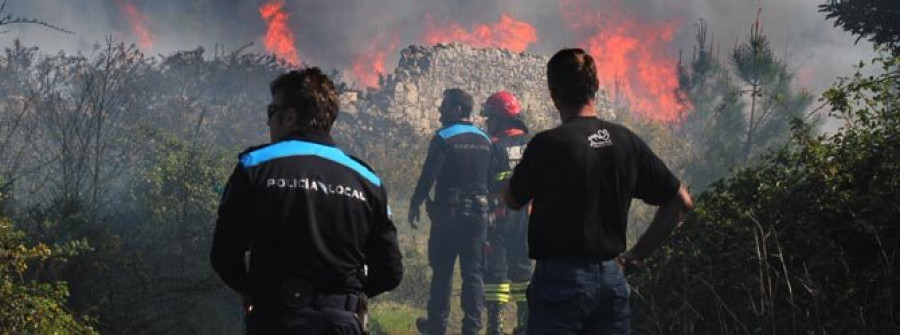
(508, 148)
(305, 210)
(458, 158)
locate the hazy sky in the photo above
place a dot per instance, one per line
(333, 33)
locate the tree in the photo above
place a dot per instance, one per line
(875, 20)
(18, 97)
(15, 128)
(738, 108)
(767, 82)
(716, 114)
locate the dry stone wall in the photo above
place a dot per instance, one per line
(413, 92)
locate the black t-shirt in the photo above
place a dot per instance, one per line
(581, 177)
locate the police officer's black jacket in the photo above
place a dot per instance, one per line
(305, 210)
(458, 158)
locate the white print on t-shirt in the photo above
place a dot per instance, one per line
(600, 139)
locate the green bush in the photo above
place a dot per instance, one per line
(29, 306)
(803, 242)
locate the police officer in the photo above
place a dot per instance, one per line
(313, 220)
(508, 268)
(458, 161)
(580, 178)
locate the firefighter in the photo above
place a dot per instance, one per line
(457, 164)
(314, 221)
(508, 268)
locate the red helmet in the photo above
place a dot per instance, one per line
(502, 103)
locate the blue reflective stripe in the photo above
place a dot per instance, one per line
(460, 129)
(303, 148)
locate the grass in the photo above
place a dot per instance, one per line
(393, 318)
(395, 312)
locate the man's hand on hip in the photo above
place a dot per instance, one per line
(627, 260)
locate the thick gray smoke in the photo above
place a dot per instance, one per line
(333, 33)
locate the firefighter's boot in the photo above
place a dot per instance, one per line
(518, 293)
(422, 326)
(521, 318)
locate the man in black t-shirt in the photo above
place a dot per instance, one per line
(581, 178)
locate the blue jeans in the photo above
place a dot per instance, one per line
(272, 317)
(578, 296)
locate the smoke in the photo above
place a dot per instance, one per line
(362, 37)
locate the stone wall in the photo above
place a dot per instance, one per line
(413, 92)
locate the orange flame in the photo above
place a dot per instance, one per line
(509, 33)
(279, 38)
(632, 57)
(370, 64)
(138, 23)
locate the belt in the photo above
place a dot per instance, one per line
(347, 302)
(300, 294)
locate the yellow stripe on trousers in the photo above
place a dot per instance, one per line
(518, 291)
(496, 292)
